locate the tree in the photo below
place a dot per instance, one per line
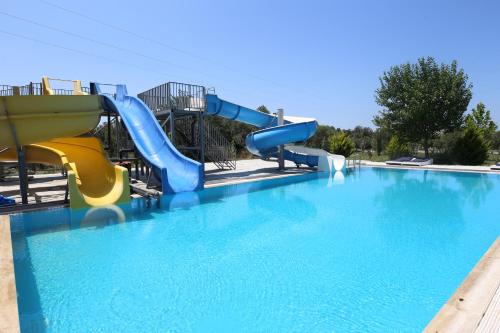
(481, 119)
(362, 137)
(496, 141)
(341, 144)
(321, 139)
(422, 100)
(471, 148)
(397, 148)
(381, 138)
(264, 109)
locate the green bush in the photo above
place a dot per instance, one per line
(341, 144)
(397, 148)
(471, 148)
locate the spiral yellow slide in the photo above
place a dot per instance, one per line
(38, 122)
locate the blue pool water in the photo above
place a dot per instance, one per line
(380, 252)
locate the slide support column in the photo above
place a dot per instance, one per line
(23, 175)
(281, 150)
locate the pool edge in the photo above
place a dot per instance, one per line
(470, 303)
(9, 315)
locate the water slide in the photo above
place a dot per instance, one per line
(176, 172)
(44, 126)
(265, 141)
(92, 179)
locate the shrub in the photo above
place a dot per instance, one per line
(341, 144)
(443, 147)
(471, 148)
(397, 148)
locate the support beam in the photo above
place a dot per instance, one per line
(23, 175)
(281, 149)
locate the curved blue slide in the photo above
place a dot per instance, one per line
(265, 141)
(176, 172)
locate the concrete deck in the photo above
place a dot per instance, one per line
(475, 305)
(9, 316)
(435, 167)
(250, 170)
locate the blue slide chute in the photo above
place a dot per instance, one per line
(265, 141)
(176, 172)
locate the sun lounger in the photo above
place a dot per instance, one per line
(399, 161)
(418, 162)
(410, 161)
(495, 167)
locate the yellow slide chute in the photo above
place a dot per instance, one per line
(45, 126)
(92, 179)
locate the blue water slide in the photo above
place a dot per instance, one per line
(265, 141)
(176, 172)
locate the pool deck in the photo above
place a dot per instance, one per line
(9, 317)
(475, 305)
(435, 167)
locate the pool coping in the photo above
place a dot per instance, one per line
(9, 314)
(434, 167)
(471, 308)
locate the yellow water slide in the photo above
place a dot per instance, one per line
(92, 179)
(45, 126)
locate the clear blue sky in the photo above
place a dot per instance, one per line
(313, 58)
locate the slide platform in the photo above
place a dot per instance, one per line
(92, 179)
(176, 172)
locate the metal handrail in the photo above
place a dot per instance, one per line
(174, 96)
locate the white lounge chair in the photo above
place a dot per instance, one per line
(410, 161)
(399, 161)
(495, 167)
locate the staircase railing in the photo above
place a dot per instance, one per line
(174, 96)
(218, 149)
(353, 161)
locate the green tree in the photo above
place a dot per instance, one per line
(397, 148)
(381, 137)
(264, 109)
(422, 100)
(362, 137)
(480, 118)
(496, 141)
(341, 144)
(471, 148)
(321, 139)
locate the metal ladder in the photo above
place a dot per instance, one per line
(352, 163)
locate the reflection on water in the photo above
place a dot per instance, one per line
(62, 219)
(417, 199)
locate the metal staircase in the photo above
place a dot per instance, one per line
(217, 148)
(180, 109)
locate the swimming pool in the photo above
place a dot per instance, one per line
(381, 251)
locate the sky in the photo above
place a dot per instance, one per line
(320, 59)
